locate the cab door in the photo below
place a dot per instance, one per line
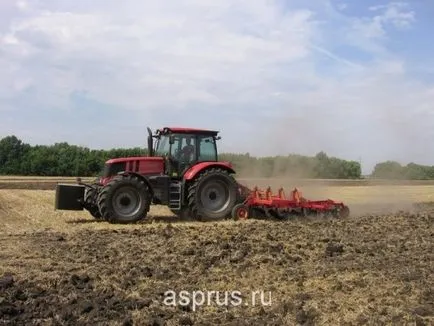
(207, 149)
(183, 153)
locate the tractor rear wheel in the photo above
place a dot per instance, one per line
(183, 214)
(90, 203)
(125, 199)
(344, 212)
(212, 195)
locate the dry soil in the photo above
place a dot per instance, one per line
(374, 268)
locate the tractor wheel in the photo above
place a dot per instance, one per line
(125, 199)
(240, 212)
(90, 203)
(344, 212)
(183, 214)
(212, 195)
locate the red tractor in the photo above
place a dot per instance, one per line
(181, 171)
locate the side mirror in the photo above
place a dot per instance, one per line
(78, 179)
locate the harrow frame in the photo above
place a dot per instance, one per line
(259, 202)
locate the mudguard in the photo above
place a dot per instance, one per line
(194, 170)
(141, 177)
(69, 197)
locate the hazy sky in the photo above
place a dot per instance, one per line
(352, 78)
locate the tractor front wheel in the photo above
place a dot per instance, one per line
(213, 195)
(90, 203)
(125, 199)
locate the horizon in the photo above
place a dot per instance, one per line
(354, 80)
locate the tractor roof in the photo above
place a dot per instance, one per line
(196, 131)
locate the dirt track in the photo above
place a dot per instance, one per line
(61, 268)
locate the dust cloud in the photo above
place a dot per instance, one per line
(299, 136)
(362, 196)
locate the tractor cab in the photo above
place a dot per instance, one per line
(184, 147)
(173, 152)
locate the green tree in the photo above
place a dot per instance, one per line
(388, 170)
(63, 159)
(12, 152)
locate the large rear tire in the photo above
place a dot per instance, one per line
(90, 202)
(125, 199)
(344, 212)
(212, 195)
(184, 214)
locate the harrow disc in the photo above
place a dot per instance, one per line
(240, 212)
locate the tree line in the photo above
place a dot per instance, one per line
(60, 159)
(319, 166)
(411, 171)
(63, 159)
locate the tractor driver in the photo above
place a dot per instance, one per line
(187, 152)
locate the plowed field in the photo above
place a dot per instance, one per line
(374, 268)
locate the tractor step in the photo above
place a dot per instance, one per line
(175, 195)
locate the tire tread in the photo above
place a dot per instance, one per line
(104, 203)
(192, 190)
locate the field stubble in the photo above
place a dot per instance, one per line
(371, 269)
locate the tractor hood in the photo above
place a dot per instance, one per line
(141, 164)
(137, 158)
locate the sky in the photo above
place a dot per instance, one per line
(352, 78)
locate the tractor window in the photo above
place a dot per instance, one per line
(183, 148)
(163, 146)
(207, 149)
(188, 149)
(188, 141)
(176, 146)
